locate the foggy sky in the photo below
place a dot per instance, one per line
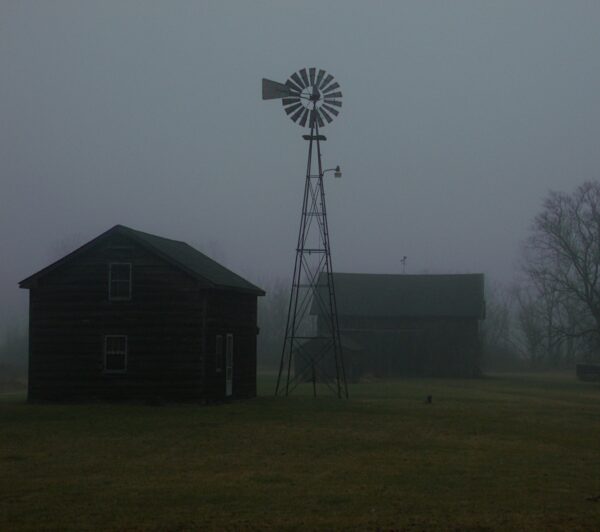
(458, 118)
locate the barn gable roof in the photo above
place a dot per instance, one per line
(179, 254)
(410, 296)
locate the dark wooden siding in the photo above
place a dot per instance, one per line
(70, 313)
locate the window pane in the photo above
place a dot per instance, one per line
(120, 272)
(115, 361)
(111, 344)
(116, 344)
(120, 289)
(120, 281)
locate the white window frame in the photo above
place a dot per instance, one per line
(111, 297)
(124, 352)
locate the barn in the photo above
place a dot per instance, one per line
(409, 325)
(131, 315)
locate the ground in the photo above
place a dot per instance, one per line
(498, 453)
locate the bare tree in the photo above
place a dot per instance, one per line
(533, 337)
(562, 263)
(272, 315)
(496, 330)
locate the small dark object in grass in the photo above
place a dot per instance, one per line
(429, 399)
(595, 498)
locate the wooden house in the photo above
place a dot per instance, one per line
(131, 315)
(401, 325)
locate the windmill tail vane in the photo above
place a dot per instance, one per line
(312, 347)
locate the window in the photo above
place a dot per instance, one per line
(119, 281)
(115, 354)
(219, 353)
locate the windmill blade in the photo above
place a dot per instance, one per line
(298, 81)
(272, 90)
(304, 86)
(319, 77)
(294, 89)
(304, 117)
(332, 110)
(326, 81)
(304, 77)
(297, 114)
(289, 110)
(324, 113)
(331, 87)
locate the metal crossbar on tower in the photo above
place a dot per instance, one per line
(312, 347)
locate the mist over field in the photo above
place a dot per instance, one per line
(147, 392)
(458, 119)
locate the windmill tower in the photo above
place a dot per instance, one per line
(312, 349)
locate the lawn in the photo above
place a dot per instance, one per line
(499, 453)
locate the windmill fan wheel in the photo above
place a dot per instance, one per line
(312, 95)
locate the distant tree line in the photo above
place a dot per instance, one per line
(272, 317)
(13, 355)
(551, 318)
(548, 319)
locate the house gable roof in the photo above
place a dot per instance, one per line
(177, 253)
(409, 296)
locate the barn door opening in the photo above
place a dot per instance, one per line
(229, 365)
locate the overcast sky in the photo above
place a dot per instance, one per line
(458, 118)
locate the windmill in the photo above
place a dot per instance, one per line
(312, 348)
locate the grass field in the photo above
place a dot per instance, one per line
(500, 453)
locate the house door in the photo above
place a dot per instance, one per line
(229, 365)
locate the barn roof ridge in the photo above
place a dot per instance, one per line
(177, 252)
(412, 275)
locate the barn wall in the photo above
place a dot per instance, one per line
(436, 347)
(70, 314)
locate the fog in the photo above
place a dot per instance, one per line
(458, 117)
